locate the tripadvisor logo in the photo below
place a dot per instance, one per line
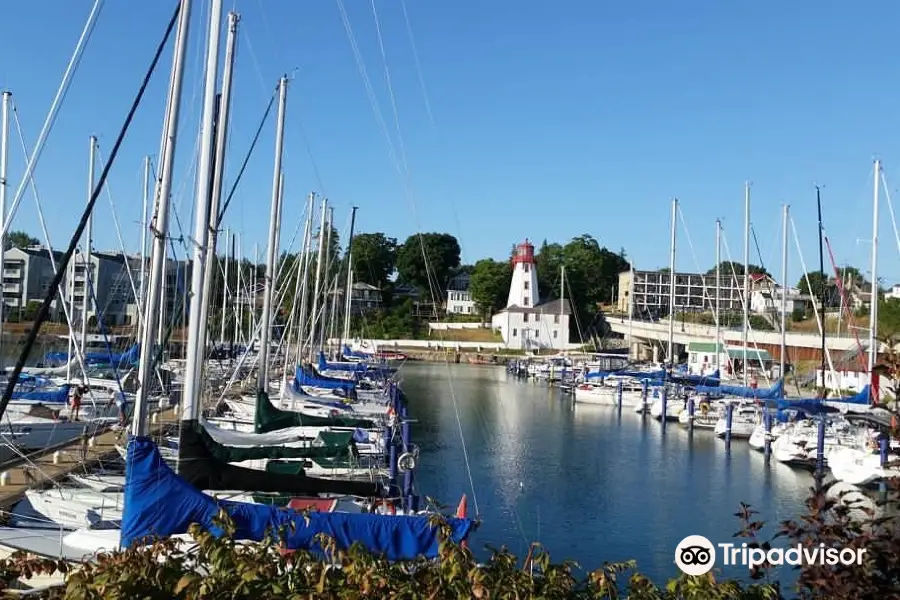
(696, 555)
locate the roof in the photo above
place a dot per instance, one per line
(547, 308)
(40, 251)
(737, 352)
(705, 347)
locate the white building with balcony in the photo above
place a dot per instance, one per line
(459, 300)
(27, 274)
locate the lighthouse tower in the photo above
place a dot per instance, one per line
(523, 291)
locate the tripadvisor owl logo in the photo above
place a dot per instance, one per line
(695, 555)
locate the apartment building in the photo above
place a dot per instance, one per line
(694, 292)
(27, 274)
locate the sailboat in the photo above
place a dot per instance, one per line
(159, 502)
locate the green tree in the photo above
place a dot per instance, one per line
(31, 310)
(489, 285)
(725, 269)
(374, 258)
(442, 251)
(548, 260)
(20, 239)
(889, 317)
(816, 285)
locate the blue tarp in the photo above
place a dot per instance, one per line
(306, 378)
(355, 353)
(98, 358)
(357, 367)
(294, 390)
(773, 393)
(159, 503)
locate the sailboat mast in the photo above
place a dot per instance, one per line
(196, 342)
(4, 158)
(220, 137)
(271, 264)
(160, 227)
(822, 292)
(326, 284)
(630, 310)
(873, 297)
(348, 290)
(670, 357)
(224, 289)
(86, 257)
(562, 304)
(745, 369)
(303, 272)
(315, 299)
(718, 289)
(142, 299)
(785, 213)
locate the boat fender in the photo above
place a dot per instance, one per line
(704, 408)
(406, 462)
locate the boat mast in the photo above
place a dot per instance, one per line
(142, 299)
(326, 284)
(196, 320)
(348, 290)
(785, 213)
(670, 358)
(271, 263)
(718, 290)
(630, 309)
(224, 289)
(562, 304)
(318, 283)
(4, 157)
(822, 292)
(220, 131)
(873, 296)
(86, 257)
(303, 272)
(746, 307)
(160, 228)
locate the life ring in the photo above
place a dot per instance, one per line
(406, 462)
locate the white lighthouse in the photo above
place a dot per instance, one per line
(523, 291)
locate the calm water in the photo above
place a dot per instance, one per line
(588, 483)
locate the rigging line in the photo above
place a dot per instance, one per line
(50, 254)
(112, 208)
(44, 311)
(418, 64)
(890, 204)
(390, 88)
(744, 302)
(61, 93)
(820, 320)
(240, 174)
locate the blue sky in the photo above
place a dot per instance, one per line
(546, 120)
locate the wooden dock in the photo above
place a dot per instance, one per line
(50, 465)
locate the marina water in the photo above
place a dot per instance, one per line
(590, 483)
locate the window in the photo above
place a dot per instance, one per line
(514, 333)
(525, 318)
(525, 301)
(537, 333)
(693, 358)
(556, 333)
(537, 317)
(527, 267)
(526, 284)
(556, 319)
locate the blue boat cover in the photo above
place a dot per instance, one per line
(773, 393)
(294, 390)
(99, 358)
(355, 353)
(357, 367)
(306, 378)
(159, 503)
(49, 395)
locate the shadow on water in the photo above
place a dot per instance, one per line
(591, 483)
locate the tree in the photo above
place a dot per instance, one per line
(374, 258)
(489, 285)
(20, 239)
(726, 266)
(442, 251)
(548, 260)
(31, 310)
(889, 317)
(815, 286)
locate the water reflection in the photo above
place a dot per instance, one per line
(592, 483)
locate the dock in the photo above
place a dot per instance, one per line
(45, 467)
